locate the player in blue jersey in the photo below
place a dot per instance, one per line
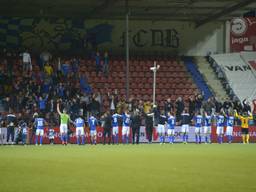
(79, 124)
(171, 121)
(39, 124)
(207, 123)
(229, 127)
(93, 122)
(161, 126)
(126, 127)
(185, 121)
(115, 117)
(23, 129)
(220, 127)
(198, 121)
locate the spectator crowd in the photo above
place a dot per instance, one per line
(26, 88)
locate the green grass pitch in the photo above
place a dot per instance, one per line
(142, 168)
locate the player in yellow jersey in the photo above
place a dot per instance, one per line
(64, 120)
(244, 125)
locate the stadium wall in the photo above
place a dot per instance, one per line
(146, 37)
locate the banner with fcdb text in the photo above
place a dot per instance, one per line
(243, 34)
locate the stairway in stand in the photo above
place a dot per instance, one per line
(211, 78)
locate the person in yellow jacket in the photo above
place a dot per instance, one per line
(244, 125)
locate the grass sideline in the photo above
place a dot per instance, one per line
(122, 168)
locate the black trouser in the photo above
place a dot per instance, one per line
(10, 132)
(149, 131)
(32, 136)
(106, 133)
(135, 132)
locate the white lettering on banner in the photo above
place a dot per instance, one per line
(238, 68)
(178, 136)
(240, 40)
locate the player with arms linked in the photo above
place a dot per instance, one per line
(39, 123)
(185, 121)
(207, 122)
(171, 121)
(93, 122)
(198, 120)
(220, 126)
(115, 117)
(229, 126)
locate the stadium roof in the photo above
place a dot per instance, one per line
(199, 11)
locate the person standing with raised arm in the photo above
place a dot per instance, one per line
(64, 120)
(245, 118)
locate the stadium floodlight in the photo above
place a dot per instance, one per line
(154, 69)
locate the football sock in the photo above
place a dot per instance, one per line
(116, 138)
(196, 139)
(83, 139)
(187, 138)
(77, 140)
(113, 139)
(41, 139)
(243, 137)
(229, 138)
(36, 139)
(170, 139)
(184, 137)
(200, 138)
(247, 138)
(173, 138)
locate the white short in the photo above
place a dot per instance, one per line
(207, 129)
(115, 130)
(79, 131)
(198, 130)
(160, 129)
(125, 130)
(39, 132)
(184, 128)
(63, 128)
(229, 130)
(219, 130)
(93, 132)
(171, 131)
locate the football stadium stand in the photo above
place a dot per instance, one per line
(211, 78)
(198, 77)
(240, 76)
(173, 80)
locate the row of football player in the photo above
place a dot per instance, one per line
(202, 125)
